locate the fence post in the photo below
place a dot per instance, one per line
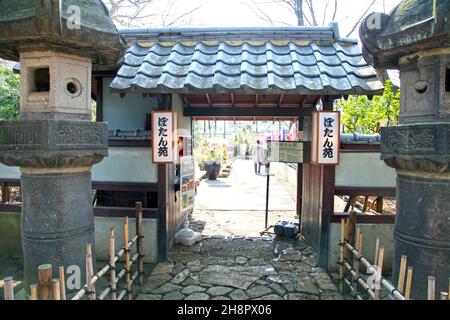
(62, 283)
(90, 273)
(112, 263)
(45, 281)
(34, 291)
(431, 288)
(408, 283)
(401, 276)
(56, 289)
(127, 258)
(8, 288)
(140, 243)
(342, 250)
(380, 270)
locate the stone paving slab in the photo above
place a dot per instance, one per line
(241, 269)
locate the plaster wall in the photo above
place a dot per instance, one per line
(385, 232)
(126, 165)
(364, 169)
(10, 235)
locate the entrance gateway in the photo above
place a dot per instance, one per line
(248, 74)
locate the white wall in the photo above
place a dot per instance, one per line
(126, 165)
(364, 169)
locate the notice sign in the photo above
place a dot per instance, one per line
(187, 181)
(325, 144)
(285, 151)
(164, 124)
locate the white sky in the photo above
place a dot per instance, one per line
(232, 13)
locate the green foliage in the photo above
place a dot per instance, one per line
(9, 94)
(361, 115)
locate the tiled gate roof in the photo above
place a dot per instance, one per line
(309, 61)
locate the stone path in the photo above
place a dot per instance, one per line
(233, 268)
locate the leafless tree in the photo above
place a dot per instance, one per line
(150, 13)
(306, 11)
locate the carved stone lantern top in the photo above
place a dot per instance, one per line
(413, 26)
(81, 27)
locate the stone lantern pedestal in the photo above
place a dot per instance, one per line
(54, 143)
(415, 38)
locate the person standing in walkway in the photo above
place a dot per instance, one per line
(258, 156)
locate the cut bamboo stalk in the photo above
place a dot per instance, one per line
(56, 289)
(444, 296)
(377, 248)
(34, 291)
(90, 273)
(45, 282)
(140, 243)
(112, 263)
(127, 258)
(8, 288)
(62, 283)
(431, 288)
(380, 272)
(341, 256)
(408, 283)
(401, 276)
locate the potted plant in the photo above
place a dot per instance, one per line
(213, 165)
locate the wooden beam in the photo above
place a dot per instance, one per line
(99, 101)
(365, 191)
(209, 99)
(329, 180)
(365, 218)
(232, 100)
(247, 112)
(256, 100)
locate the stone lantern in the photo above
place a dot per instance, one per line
(415, 38)
(54, 143)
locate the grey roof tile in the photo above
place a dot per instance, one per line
(315, 68)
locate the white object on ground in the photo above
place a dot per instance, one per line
(187, 237)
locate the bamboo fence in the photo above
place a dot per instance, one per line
(349, 273)
(55, 289)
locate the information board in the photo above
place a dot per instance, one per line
(187, 181)
(286, 151)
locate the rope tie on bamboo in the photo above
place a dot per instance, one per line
(126, 250)
(88, 292)
(111, 266)
(113, 290)
(394, 290)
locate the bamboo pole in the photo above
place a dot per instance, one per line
(56, 289)
(444, 296)
(380, 271)
(408, 283)
(45, 281)
(127, 258)
(356, 261)
(401, 276)
(377, 249)
(140, 243)
(62, 283)
(34, 291)
(431, 288)
(112, 263)
(90, 273)
(342, 249)
(8, 288)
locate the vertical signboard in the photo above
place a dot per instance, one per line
(187, 181)
(325, 144)
(164, 124)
